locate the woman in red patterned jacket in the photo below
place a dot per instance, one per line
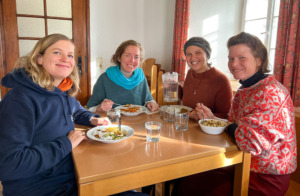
(262, 123)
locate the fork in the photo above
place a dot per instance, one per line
(202, 112)
(117, 104)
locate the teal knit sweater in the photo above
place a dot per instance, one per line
(105, 88)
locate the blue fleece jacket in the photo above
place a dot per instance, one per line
(35, 152)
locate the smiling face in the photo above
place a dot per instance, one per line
(129, 60)
(58, 60)
(196, 59)
(241, 62)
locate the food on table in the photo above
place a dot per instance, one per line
(127, 105)
(132, 109)
(110, 133)
(214, 123)
(183, 110)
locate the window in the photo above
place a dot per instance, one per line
(261, 19)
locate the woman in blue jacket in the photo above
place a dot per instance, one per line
(37, 121)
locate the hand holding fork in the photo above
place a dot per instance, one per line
(203, 112)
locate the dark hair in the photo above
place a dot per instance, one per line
(120, 50)
(258, 49)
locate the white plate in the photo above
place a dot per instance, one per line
(92, 131)
(176, 107)
(142, 109)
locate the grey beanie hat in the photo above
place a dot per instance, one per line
(200, 42)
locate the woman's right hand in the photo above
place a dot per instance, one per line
(105, 105)
(203, 110)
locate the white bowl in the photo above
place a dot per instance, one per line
(213, 130)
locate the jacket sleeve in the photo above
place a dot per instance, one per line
(81, 115)
(19, 156)
(267, 123)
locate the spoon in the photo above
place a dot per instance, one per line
(202, 112)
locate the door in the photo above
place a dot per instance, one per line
(24, 22)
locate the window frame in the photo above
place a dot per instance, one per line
(271, 15)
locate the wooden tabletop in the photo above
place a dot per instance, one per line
(110, 168)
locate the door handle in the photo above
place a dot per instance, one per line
(79, 65)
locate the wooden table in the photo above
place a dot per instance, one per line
(104, 169)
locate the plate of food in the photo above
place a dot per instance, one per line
(178, 108)
(110, 133)
(131, 110)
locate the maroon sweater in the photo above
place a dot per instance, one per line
(212, 88)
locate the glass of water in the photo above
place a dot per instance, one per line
(153, 130)
(114, 116)
(181, 121)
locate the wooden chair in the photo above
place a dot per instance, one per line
(153, 81)
(147, 68)
(160, 90)
(1, 189)
(294, 188)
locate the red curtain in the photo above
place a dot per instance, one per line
(181, 25)
(287, 55)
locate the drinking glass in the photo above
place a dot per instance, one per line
(115, 117)
(153, 131)
(168, 114)
(181, 121)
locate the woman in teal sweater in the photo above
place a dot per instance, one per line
(124, 83)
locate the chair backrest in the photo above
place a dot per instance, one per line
(160, 89)
(147, 67)
(296, 175)
(153, 81)
(1, 189)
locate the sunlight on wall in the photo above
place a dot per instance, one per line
(210, 33)
(210, 25)
(216, 22)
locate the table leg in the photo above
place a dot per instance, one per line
(241, 177)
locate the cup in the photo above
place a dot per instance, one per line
(181, 121)
(153, 130)
(168, 114)
(114, 116)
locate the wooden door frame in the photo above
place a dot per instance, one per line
(10, 52)
(84, 30)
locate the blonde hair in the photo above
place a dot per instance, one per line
(120, 50)
(37, 72)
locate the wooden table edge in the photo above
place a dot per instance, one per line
(155, 175)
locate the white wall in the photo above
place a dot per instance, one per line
(114, 21)
(151, 23)
(216, 21)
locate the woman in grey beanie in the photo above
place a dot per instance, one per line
(204, 83)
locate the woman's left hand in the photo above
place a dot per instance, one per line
(193, 115)
(76, 137)
(99, 121)
(152, 106)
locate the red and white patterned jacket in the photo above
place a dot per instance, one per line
(264, 113)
